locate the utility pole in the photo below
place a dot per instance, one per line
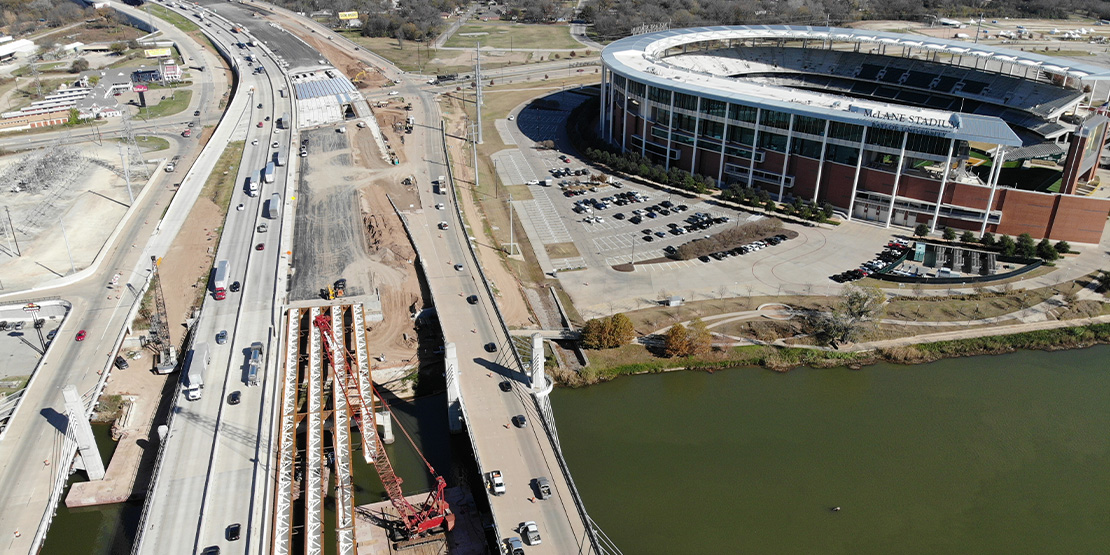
(126, 174)
(512, 242)
(72, 268)
(12, 227)
(478, 86)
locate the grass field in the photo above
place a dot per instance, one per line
(514, 35)
(168, 107)
(417, 56)
(151, 144)
(562, 250)
(221, 182)
(175, 19)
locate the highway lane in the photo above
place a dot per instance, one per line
(227, 485)
(25, 481)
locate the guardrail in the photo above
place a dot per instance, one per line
(548, 426)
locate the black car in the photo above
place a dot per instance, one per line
(703, 258)
(666, 204)
(491, 347)
(618, 216)
(235, 287)
(233, 532)
(506, 386)
(649, 238)
(664, 212)
(473, 299)
(121, 363)
(196, 113)
(234, 397)
(635, 220)
(520, 421)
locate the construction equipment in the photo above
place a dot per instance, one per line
(159, 325)
(431, 516)
(340, 287)
(328, 293)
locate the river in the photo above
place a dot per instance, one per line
(1002, 454)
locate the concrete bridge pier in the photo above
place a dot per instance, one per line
(82, 432)
(385, 420)
(454, 392)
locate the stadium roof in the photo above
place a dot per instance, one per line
(638, 57)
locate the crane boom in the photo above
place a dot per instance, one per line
(435, 511)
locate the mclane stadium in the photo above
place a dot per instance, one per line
(896, 129)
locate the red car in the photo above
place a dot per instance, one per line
(260, 124)
(260, 246)
(81, 335)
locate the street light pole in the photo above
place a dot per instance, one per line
(72, 268)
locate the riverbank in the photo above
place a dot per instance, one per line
(636, 359)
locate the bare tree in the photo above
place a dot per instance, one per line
(852, 315)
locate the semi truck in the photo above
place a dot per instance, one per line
(279, 157)
(194, 378)
(284, 121)
(252, 187)
(219, 283)
(253, 363)
(268, 173)
(273, 209)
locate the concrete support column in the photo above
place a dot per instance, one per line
(624, 122)
(943, 183)
(755, 141)
(643, 131)
(697, 132)
(786, 157)
(385, 421)
(721, 166)
(670, 133)
(537, 374)
(454, 391)
(821, 163)
(855, 180)
(606, 126)
(82, 433)
(999, 159)
(897, 177)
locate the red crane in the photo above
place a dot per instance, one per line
(417, 520)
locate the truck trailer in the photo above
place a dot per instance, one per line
(268, 173)
(279, 157)
(253, 363)
(284, 123)
(273, 209)
(219, 283)
(194, 378)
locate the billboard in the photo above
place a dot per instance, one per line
(158, 52)
(140, 88)
(348, 15)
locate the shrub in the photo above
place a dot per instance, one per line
(949, 234)
(1007, 246)
(1063, 247)
(921, 230)
(987, 240)
(1046, 252)
(967, 237)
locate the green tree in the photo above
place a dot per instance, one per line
(676, 343)
(74, 117)
(1103, 280)
(700, 339)
(949, 234)
(1046, 252)
(79, 65)
(1063, 247)
(967, 237)
(1006, 246)
(118, 48)
(921, 230)
(1026, 248)
(987, 240)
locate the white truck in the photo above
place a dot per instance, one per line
(268, 173)
(219, 282)
(496, 482)
(252, 187)
(441, 185)
(273, 209)
(253, 363)
(194, 378)
(279, 157)
(284, 122)
(172, 165)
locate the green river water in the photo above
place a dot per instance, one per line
(1006, 454)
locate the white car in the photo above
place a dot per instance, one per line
(274, 144)
(392, 93)
(511, 118)
(530, 532)
(240, 207)
(439, 206)
(443, 225)
(254, 142)
(534, 182)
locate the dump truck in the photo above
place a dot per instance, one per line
(253, 363)
(194, 378)
(219, 282)
(268, 173)
(172, 165)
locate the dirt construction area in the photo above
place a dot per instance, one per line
(347, 229)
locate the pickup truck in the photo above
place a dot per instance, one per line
(496, 482)
(543, 488)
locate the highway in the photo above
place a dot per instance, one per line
(213, 471)
(33, 435)
(521, 454)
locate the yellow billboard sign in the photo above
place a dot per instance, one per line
(348, 15)
(158, 52)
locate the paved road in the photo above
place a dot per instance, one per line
(33, 435)
(215, 460)
(521, 454)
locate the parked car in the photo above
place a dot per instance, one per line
(121, 363)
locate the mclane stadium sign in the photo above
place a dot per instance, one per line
(900, 121)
